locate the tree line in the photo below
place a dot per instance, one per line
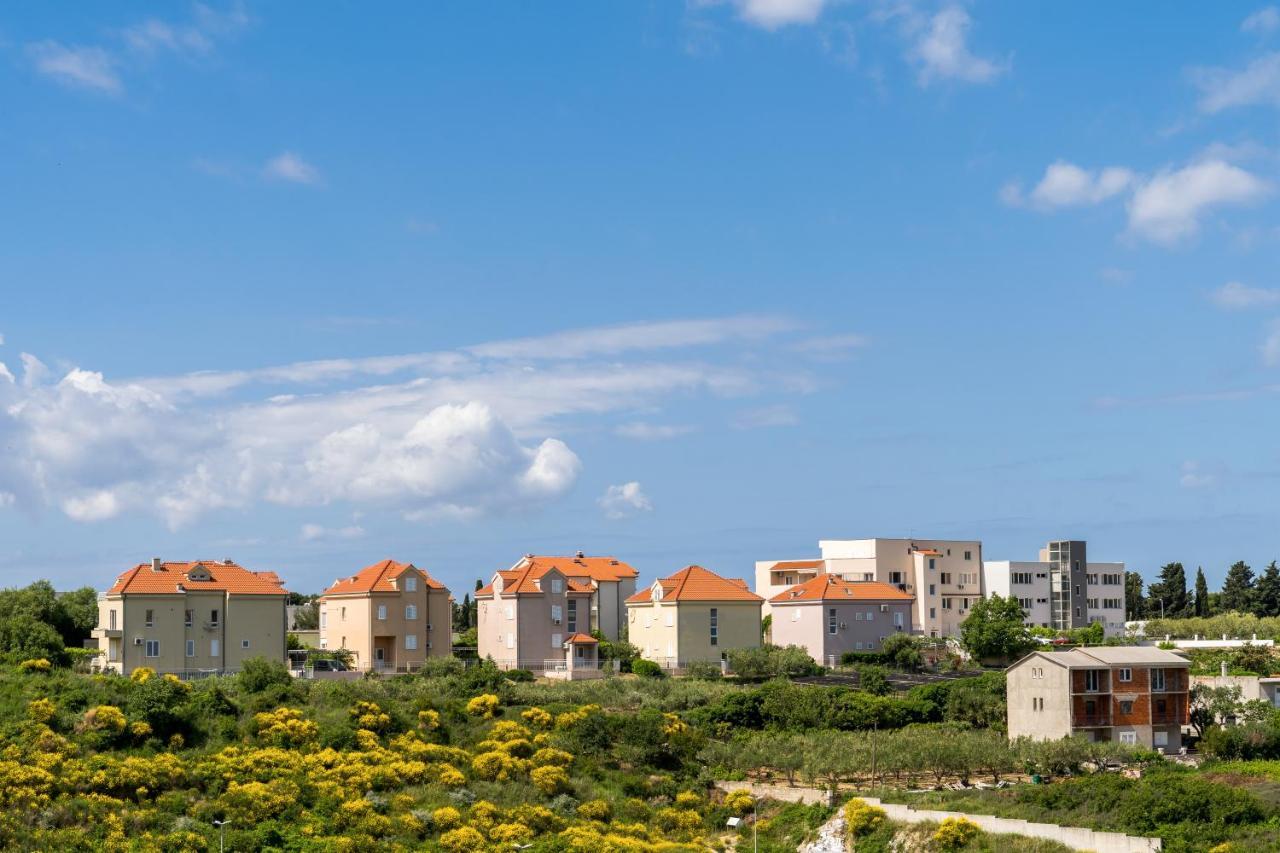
(1170, 597)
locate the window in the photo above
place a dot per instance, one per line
(511, 641)
(557, 640)
(511, 611)
(213, 616)
(244, 644)
(933, 614)
(411, 611)
(191, 647)
(342, 616)
(895, 577)
(1092, 603)
(382, 612)
(186, 618)
(1112, 604)
(968, 555)
(411, 642)
(858, 645)
(1091, 579)
(933, 589)
(1091, 680)
(1129, 738)
(795, 614)
(324, 619)
(153, 648)
(671, 618)
(871, 615)
(946, 604)
(1157, 679)
(215, 648)
(111, 619)
(1162, 705)
(556, 614)
(715, 626)
(573, 616)
(857, 616)
(1126, 706)
(410, 585)
(1126, 674)
(897, 618)
(946, 578)
(832, 624)
(932, 563)
(1022, 577)
(557, 586)
(151, 618)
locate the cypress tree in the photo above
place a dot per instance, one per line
(1202, 593)
(1237, 589)
(1266, 595)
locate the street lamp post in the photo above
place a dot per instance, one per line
(222, 828)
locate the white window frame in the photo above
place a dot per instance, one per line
(411, 642)
(833, 624)
(715, 626)
(244, 644)
(1125, 674)
(411, 584)
(152, 649)
(215, 648)
(191, 648)
(382, 613)
(411, 611)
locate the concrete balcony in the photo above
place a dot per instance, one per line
(106, 632)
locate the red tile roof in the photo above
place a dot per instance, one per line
(796, 564)
(580, 639)
(519, 579)
(834, 588)
(377, 578)
(222, 576)
(694, 583)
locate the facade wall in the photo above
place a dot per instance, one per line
(497, 627)
(520, 630)
(1038, 699)
(860, 626)
(651, 627)
(365, 633)
(258, 620)
(346, 625)
(1099, 601)
(738, 627)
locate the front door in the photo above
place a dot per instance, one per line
(378, 654)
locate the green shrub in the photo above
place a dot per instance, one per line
(518, 675)
(704, 671)
(647, 669)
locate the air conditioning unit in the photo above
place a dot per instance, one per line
(844, 625)
(137, 641)
(428, 626)
(556, 621)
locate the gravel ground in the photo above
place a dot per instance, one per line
(830, 837)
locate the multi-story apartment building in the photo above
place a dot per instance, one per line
(526, 615)
(693, 616)
(1131, 694)
(829, 616)
(390, 616)
(1062, 589)
(943, 575)
(609, 579)
(191, 617)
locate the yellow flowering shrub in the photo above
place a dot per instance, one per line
(140, 730)
(861, 818)
(596, 810)
(485, 705)
(449, 776)
(429, 719)
(142, 675)
(496, 766)
(368, 715)
(367, 740)
(508, 834)
(505, 730)
(285, 727)
(739, 802)
(538, 718)
(682, 822)
(519, 748)
(954, 833)
(550, 780)
(549, 757)
(673, 725)
(483, 814)
(41, 710)
(106, 718)
(446, 817)
(538, 818)
(688, 800)
(464, 839)
(35, 665)
(251, 802)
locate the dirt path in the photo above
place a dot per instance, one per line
(830, 837)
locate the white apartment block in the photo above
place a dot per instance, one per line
(1062, 589)
(944, 575)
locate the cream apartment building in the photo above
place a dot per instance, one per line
(828, 616)
(1063, 589)
(391, 616)
(693, 616)
(526, 616)
(611, 581)
(944, 576)
(191, 617)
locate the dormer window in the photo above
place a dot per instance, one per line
(410, 584)
(557, 586)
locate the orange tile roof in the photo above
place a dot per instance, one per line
(928, 552)
(519, 579)
(694, 583)
(377, 578)
(796, 564)
(580, 639)
(223, 576)
(833, 588)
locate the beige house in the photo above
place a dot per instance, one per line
(391, 617)
(693, 616)
(829, 616)
(943, 575)
(188, 618)
(1130, 694)
(526, 615)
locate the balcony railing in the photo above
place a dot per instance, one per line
(1085, 721)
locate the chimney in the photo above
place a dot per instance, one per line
(580, 555)
(155, 564)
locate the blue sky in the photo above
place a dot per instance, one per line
(681, 282)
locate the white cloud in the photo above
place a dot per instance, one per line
(443, 435)
(612, 340)
(1167, 208)
(7, 499)
(768, 416)
(1271, 346)
(1224, 88)
(77, 66)
(831, 347)
(941, 50)
(153, 35)
(34, 370)
(318, 532)
(95, 506)
(772, 14)
(1067, 185)
(1264, 21)
(625, 500)
(642, 431)
(1194, 476)
(288, 166)
(5, 374)
(1235, 296)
